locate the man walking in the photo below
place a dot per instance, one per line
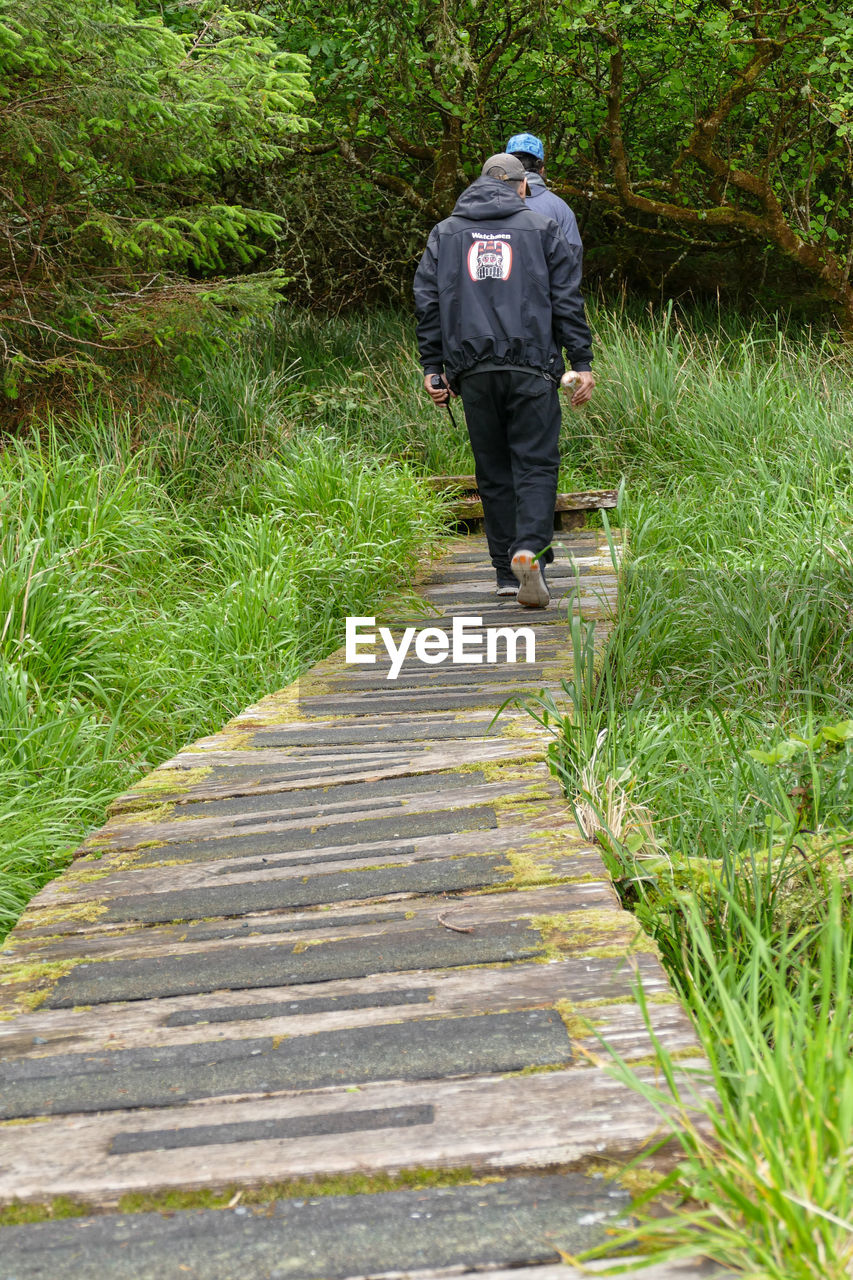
(529, 150)
(497, 298)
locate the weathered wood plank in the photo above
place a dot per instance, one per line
(293, 936)
(301, 1010)
(295, 768)
(489, 1124)
(217, 782)
(476, 807)
(511, 1223)
(463, 496)
(275, 724)
(492, 870)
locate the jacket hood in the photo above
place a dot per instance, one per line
(488, 198)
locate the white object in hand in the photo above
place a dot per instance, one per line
(569, 378)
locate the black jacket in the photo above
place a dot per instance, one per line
(499, 285)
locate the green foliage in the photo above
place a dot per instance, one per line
(121, 121)
(734, 630)
(763, 1187)
(700, 143)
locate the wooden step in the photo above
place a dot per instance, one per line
(465, 507)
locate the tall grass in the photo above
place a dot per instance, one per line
(735, 622)
(159, 571)
(764, 1184)
(711, 749)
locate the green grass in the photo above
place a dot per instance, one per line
(359, 377)
(161, 570)
(735, 623)
(711, 749)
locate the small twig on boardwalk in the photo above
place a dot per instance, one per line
(455, 927)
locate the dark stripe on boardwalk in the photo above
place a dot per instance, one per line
(259, 846)
(247, 928)
(169, 1076)
(436, 728)
(444, 875)
(525, 1220)
(276, 965)
(295, 1008)
(333, 1122)
(327, 796)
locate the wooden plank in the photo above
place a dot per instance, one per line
(130, 831)
(576, 861)
(307, 769)
(515, 1222)
(482, 592)
(621, 1027)
(250, 789)
(497, 678)
(432, 726)
(469, 507)
(294, 1010)
(598, 605)
(300, 929)
(584, 500)
(490, 1124)
(557, 853)
(259, 1065)
(296, 929)
(562, 569)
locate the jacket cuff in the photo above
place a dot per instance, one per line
(433, 368)
(582, 366)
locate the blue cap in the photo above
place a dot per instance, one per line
(526, 142)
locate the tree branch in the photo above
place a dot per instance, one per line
(316, 148)
(386, 180)
(770, 225)
(408, 148)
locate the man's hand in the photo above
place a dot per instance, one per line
(580, 391)
(439, 395)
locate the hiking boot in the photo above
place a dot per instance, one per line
(507, 585)
(532, 589)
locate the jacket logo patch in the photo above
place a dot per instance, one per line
(489, 260)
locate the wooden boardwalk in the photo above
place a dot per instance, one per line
(355, 932)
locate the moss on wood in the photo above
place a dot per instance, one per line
(591, 928)
(162, 782)
(20, 1213)
(41, 917)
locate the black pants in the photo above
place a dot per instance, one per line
(513, 419)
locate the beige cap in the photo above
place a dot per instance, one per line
(504, 165)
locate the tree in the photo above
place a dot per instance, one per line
(120, 121)
(704, 125)
(410, 96)
(714, 118)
